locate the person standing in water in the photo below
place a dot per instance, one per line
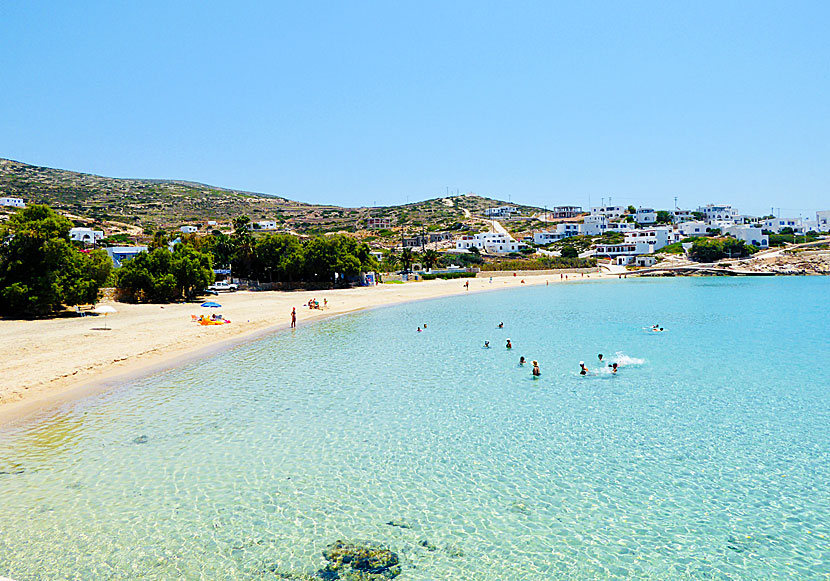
(501, 325)
(614, 368)
(600, 358)
(509, 345)
(536, 371)
(521, 361)
(487, 344)
(582, 369)
(293, 317)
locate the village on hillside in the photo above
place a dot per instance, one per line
(513, 237)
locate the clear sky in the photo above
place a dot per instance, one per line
(357, 103)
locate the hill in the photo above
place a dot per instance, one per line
(151, 204)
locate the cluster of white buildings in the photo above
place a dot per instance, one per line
(490, 243)
(643, 236)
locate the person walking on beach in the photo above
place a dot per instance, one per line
(467, 285)
(293, 317)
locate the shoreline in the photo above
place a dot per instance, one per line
(68, 359)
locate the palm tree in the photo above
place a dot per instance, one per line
(430, 258)
(406, 258)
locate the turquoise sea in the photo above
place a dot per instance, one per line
(706, 457)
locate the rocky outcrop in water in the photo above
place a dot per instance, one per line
(359, 562)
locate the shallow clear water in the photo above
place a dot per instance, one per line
(708, 459)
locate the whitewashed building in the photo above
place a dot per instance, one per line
(823, 221)
(693, 228)
(12, 202)
(646, 216)
(490, 242)
(749, 234)
(595, 224)
(777, 224)
(621, 227)
(558, 233)
(85, 235)
(501, 211)
(682, 215)
(610, 212)
(645, 241)
(189, 229)
(715, 212)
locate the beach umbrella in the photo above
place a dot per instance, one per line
(104, 310)
(211, 305)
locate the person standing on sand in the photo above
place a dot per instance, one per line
(293, 317)
(467, 285)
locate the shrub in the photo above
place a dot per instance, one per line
(448, 275)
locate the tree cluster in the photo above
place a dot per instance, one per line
(712, 249)
(161, 276)
(285, 258)
(41, 271)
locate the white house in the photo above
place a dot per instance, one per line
(211, 222)
(693, 228)
(373, 223)
(644, 260)
(558, 233)
(264, 225)
(682, 215)
(85, 235)
(823, 221)
(749, 234)
(713, 212)
(778, 224)
(501, 211)
(121, 254)
(13, 202)
(646, 215)
(621, 227)
(189, 229)
(638, 242)
(377, 254)
(490, 242)
(610, 212)
(595, 224)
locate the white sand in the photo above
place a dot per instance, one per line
(50, 361)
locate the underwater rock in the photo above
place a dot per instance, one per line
(141, 440)
(399, 524)
(428, 546)
(359, 562)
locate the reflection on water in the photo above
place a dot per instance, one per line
(705, 456)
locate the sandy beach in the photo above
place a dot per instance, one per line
(57, 360)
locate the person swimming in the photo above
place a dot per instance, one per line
(501, 325)
(509, 344)
(536, 371)
(522, 360)
(613, 368)
(600, 357)
(419, 329)
(425, 325)
(582, 369)
(487, 344)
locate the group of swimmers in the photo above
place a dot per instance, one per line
(585, 371)
(508, 345)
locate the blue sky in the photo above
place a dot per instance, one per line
(357, 103)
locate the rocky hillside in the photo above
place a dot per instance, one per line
(152, 204)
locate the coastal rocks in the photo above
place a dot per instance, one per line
(359, 562)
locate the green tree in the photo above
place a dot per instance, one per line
(278, 257)
(430, 258)
(569, 252)
(407, 258)
(664, 217)
(631, 210)
(40, 270)
(192, 269)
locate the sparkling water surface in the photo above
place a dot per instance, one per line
(706, 457)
